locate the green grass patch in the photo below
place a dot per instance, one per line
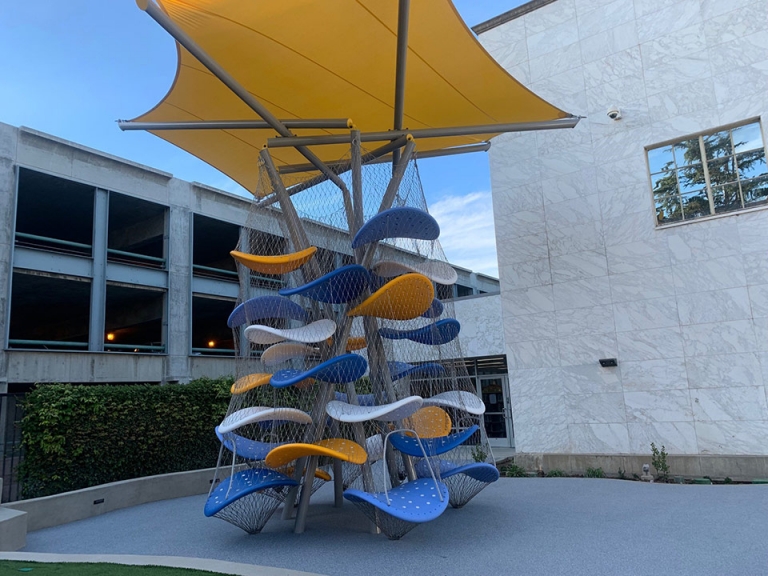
(8, 567)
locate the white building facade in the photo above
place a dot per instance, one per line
(601, 257)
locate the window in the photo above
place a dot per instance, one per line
(709, 174)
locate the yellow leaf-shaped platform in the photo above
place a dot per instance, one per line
(340, 448)
(356, 343)
(249, 382)
(403, 298)
(431, 422)
(274, 264)
(319, 473)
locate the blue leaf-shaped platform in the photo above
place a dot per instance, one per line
(362, 399)
(245, 447)
(417, 501)
(400, 222)
(339, 370)
(402, 369)
(338, 287)
(435, 309)
(263, 307)
(433, 446)
(480, 471)
(441, 332)
(243, 483)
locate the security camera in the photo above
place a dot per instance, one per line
(614, 113)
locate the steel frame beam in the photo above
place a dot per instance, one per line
(327, 124)
(560, 123)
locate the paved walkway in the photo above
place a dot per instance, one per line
(516, 526)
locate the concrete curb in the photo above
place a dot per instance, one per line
(219, 566)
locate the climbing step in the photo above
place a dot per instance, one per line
(339, 370)
(441, 332)
(435, 270)
(263, 307)
(274, 264)
(403, 298)
(317, 331)
(338, 287)
(399, 222)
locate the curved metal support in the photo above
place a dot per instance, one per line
(426, 459)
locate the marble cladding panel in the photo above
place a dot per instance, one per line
(535, 382)
(719, 338)
(724, 371)
(734, 437)
(595, 408)
(658, 406)
(729, 404)
(738, 23)
(550, 142)
(548, 17)
(674, 127)
(587, 349)
(613, 93)
(637, 256)
(541, 326)
(590, 379)
(643, 284)
(667, 20)
(755, 267)
(714, 8)
(605, 17)
(664, 374)
(511, 224)
(587, 6)
(590, 264)
(646, 314)
(599, 438)
(652, 344)
(622, 201)
(583, 293)
(509, 172)
(740, 84)
(527, 301)
(744, 51)
(705, 241)
(682, 100)
(482, 328)
(578, 321)
(676, 437)
(633, 115)
(534, 354)
(682, 43)
(554, 38)
(633, 172)
(573, 239)
(716, 274)
(753, 232)
(567, 161)
(507, 43)
(573, 212)
(555, 62)
(550, 437)
(677, 73)
(524, 249)
(571, 187)
(629, 227)
(538, 409)
(714, 306)
(761, 337)
(525, 274)
(758, 297)
(613, 148)
(646, 7)
(560, 86)
(609, 41)
(613, 67)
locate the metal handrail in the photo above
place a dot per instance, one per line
(69, 243)
(217, 270)
(20, 342)
(215, 350)
(135, 255)
(159, 348)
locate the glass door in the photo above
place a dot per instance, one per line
(498, 414)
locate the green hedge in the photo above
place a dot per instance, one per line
(76, 436)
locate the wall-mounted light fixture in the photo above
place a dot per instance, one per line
(608, 362)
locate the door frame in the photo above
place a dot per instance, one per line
(509, 440)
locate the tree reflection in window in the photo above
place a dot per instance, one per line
(731, 175)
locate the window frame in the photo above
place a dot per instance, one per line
(709, 188)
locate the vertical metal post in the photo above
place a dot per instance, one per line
(99, 273)
(403, 16)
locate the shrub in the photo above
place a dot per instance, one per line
(75, 436)
(514, 471)
(556, 474)
(595, 473)
(659, 462)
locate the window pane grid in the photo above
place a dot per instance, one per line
(710, 174)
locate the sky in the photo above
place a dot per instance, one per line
(73, 68)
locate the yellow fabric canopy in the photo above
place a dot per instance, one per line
(306, 59)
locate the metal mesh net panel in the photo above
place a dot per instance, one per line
(251, 512)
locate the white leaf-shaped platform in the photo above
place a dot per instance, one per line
(261, 414)
(460, 400)
(435, 270)
(317, 331)
(344, 412)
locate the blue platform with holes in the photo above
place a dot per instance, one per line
(400, 370)
(244, 447)
(417, 501)
(399, 222)
(441, 332)
(435, 309)
(263, 307)
(243, 483)
(339, 370)
(338, 287)
(480, 471)
(433, 446)
(362, 399)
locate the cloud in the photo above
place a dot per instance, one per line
(467, 234)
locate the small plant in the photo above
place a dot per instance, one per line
(478, 454)
(635, 476)
(514, 471)
(659, 462)
(595, 473)
(728, 480)
(556, 474)
(622, 474)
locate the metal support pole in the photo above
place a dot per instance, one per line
(156, 13)
(356, 161)
(99, 279)
(338, 483)
(403, 17)
(568, 122)
(320, 124)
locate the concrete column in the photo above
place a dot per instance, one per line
(473, 283)
(98, 282)
(8, 183)
(179, 297)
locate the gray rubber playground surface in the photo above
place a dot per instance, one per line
(516, 526)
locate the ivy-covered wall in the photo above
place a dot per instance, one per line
(75, 436)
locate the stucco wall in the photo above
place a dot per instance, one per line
(585, 273)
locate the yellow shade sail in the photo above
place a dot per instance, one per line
(305, 59)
